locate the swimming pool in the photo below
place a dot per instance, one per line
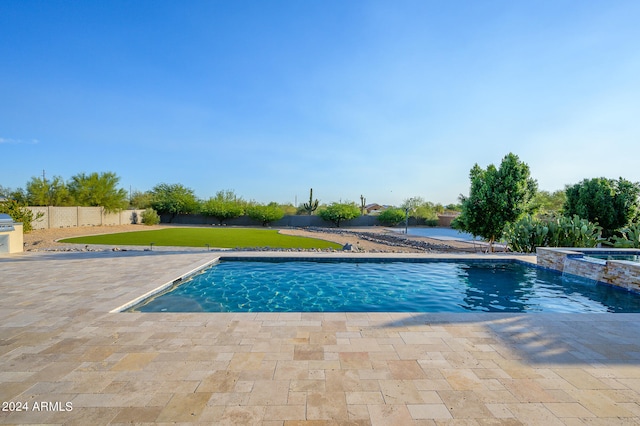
(391, 286)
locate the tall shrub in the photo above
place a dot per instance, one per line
(391, 216)
(339, 212)
(173, 199)
(265, 213)
(612, 203)
(225, 205)
(497, 196)
(150, 217)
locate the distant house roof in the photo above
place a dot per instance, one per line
(375, 207)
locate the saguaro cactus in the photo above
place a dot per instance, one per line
(312, 205)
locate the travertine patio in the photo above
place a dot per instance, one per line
(60, 344)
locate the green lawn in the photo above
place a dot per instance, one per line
(200, 237)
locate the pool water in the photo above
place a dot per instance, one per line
(307, 286)
(627, 257)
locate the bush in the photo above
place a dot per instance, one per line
(150, 217)
(225, 205)
(339, 212)
(391, 216)
(431, 222)
(173, 199)
(265, 214)
(19, 214)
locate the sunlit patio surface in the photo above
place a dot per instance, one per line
(65, 358)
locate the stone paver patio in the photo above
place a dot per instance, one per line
(69, 360)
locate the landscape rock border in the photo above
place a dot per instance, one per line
(377, 240)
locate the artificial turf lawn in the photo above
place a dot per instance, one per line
(200, 237)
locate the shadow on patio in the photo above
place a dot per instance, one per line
(551, 339)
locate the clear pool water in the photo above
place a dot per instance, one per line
(627, 257)
(303, 286)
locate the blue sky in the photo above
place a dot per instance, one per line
(388, 99)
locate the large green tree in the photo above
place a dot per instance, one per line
(98, 189)
(44, 192)
(418, 208)
(173, 199)
(225, 205)
(549, 204)
(412, 205)
(141, 200)
(611, 203)
(339, 212)
(497, 196)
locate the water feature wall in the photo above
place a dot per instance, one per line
(584, 268)
(575, 261)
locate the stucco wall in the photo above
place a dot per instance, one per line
(70, 217)
(12, 241)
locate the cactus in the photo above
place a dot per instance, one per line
(312, 205)
(630, 237)
(528, 233)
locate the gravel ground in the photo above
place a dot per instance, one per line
(361, 239)
(46, 239)
(376, 239)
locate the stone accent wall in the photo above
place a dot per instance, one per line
(553, 258)
(584, 268)
(614, 272)
(624, 274)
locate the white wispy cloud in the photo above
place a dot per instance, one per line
(19, 141)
